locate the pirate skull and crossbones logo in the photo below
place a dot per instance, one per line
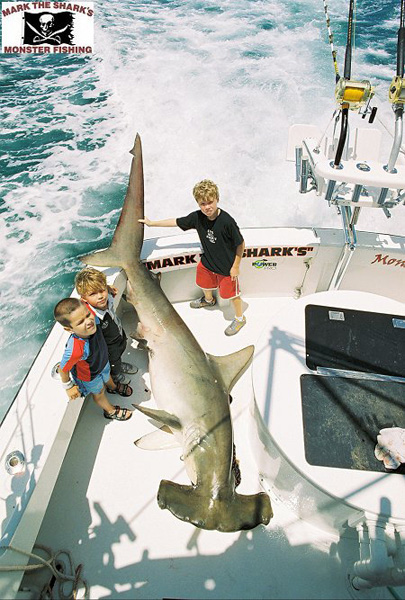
(46, 23)
(46, 31)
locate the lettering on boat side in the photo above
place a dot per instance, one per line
(277, 251)
(185, 260)
(387, 260)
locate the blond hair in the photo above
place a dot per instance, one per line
(205, 189)
(64, 309)
(90, 280)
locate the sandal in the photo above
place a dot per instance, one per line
(122, 389)
(118, 414)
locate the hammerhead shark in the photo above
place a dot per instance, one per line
(191, 388)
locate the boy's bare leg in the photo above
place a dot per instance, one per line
(111, 385)
(102, 401)
(208, 295)
(238, 306)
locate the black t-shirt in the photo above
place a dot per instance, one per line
(219, 239)
(114, 335)
(116, 341)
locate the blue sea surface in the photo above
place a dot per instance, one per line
(212, 88)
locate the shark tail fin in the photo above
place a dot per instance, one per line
(125, 249)
(189, 503)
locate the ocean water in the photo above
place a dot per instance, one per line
(211, 86)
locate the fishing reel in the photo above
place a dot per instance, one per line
(396, 92)
(355, 95)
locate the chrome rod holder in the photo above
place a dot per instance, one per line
(304, 175)
(356, 192)
(355, 217)
(298, 158)
(396, 146)
(383, 195)
(330, 189)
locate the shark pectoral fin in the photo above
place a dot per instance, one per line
(162, 439)
(192, 504)
(232, 366)
(102, 258)
(160, 415)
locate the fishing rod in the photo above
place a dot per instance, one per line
(346, 75)
(397, 93)
(330, 37)
(355, 180)
(350, 94)
(348, 53)
(401, 42)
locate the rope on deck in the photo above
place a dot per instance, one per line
(58, 576)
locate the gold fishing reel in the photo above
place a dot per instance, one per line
(353, 93)
(396, 93)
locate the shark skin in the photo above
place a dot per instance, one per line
(191, 388)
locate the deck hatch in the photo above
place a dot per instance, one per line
(354, 340)
(343, 416)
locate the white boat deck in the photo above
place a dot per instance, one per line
(332, 495)
(104, 508)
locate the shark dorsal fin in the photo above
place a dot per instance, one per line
(161, 416)
(232, 366)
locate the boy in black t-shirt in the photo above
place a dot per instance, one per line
(92, 286)
(223, 246)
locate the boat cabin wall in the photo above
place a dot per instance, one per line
(285, 262)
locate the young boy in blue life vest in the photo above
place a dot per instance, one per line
(92, 287)
(84, 368)
(223, 246)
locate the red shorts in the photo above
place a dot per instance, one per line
(208, 280)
